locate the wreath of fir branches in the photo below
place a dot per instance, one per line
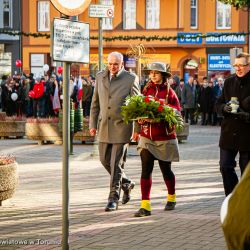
(152, 109)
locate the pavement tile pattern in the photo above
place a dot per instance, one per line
(32, 218)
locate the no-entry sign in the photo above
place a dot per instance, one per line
(71, 8)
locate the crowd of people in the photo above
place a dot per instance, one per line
(25, 95)
(198, 99)
(29, 96)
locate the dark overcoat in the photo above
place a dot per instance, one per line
(206, 99)
(235, 132)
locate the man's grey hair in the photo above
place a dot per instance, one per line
(244, 55)
(116, 54)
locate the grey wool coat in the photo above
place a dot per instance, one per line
(109, 96)
(188, 96)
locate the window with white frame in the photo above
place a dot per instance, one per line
(223, 15)
(152, 14)
(129, 14)
(194, 14)
(6, 14)
(107, 23)
(43, 16)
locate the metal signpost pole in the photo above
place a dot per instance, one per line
(66, 149)
(100, 50)
(61, 53)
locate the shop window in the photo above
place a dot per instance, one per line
(194, 14)
(43, 16)
(223, 16)
(6, 14)
(36, 64)
(107, 23)
(5, 63)
(129, 14)
(152, 14)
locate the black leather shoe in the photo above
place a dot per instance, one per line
(127, 190)
(111, 206)
(170, 205)
(142, 213)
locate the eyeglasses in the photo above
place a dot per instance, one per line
(239, 65)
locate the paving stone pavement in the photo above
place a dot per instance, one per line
(32, 218)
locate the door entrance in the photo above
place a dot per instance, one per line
(190, 68)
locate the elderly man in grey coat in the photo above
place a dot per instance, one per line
(113, 85)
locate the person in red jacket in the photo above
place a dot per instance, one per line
(157, 141)
(38, 90)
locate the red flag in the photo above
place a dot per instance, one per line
(79, 93)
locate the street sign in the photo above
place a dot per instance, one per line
(70, 41)
(189, 38)
(71, 8)
(97, 10)
(219, 62)
(225, 38)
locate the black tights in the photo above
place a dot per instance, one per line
(147, 162)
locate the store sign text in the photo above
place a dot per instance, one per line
(219, 62)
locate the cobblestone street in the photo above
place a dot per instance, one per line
(32, 218)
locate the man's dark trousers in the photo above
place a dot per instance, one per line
(113, 157)
(227, 167)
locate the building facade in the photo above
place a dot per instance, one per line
(153, 23)
(10, 49)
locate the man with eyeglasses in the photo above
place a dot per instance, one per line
(235, 127)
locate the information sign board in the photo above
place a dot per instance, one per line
(98, 10)
(70, 41)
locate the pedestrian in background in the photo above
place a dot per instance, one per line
(113, 85)
(217, 90)
(235, 127)
(158, 141)
(178, 92)
(205, 100)
(188, 100)
(4, 92)
(10, 101)
(86, 96)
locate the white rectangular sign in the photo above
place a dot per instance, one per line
(70, 41)
(36, 60)
(97, 10)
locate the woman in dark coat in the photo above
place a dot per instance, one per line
(18, 89)
(10, 104)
